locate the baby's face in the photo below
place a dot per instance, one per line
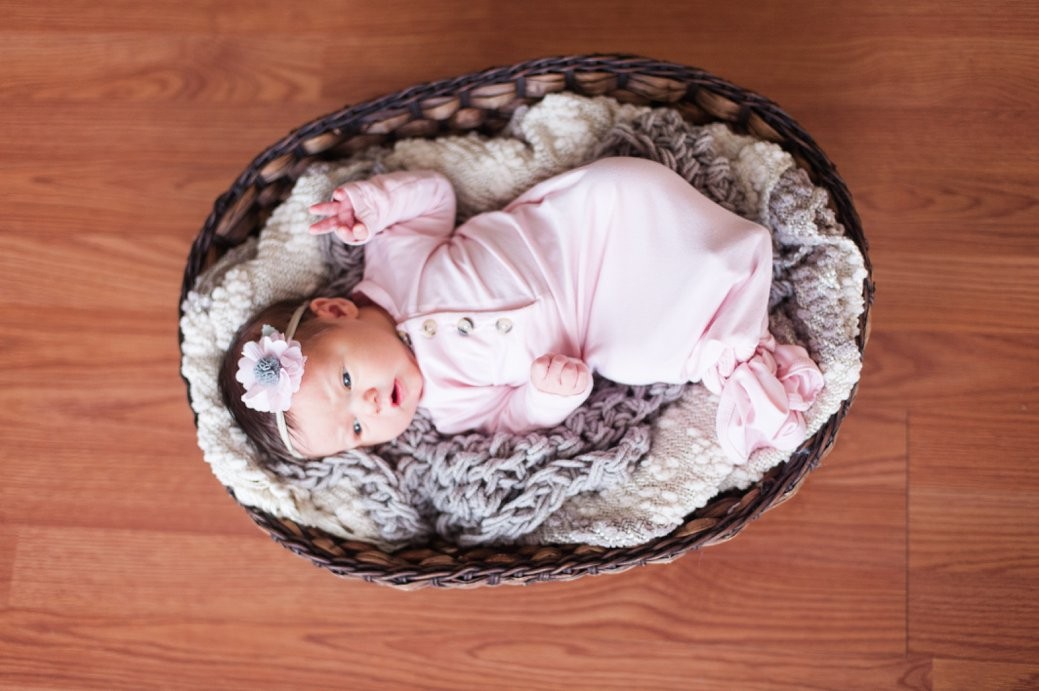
(361, 386)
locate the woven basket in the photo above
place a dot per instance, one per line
(483, 102)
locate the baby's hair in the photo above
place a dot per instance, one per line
(262, 428)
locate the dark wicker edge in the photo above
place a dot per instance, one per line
(265, 181)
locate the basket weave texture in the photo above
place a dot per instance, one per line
(484, 102)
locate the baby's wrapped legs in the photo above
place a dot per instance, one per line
(763, 397)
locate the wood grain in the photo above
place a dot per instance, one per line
(933, 369)
(967, 675)
(965, 293)
(665, 604)
(322, 655)
(956, 579)
(909, 559)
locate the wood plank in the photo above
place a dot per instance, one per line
(7, 549)
(125, 435)
(938, 292)
(787, 23)
(974, 541)
(986, 142)
(916, 72)
(968, 675)
(922, 368)
(325, 21)
(128, 67)
(137, 273)
(124, 484)
(975, 452)
(961, 216)
(321, 654)
(74, 198)
(79, 16)
(859, 611)
(1003, 18)
(128, 133)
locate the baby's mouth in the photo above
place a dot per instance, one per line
(395, 394)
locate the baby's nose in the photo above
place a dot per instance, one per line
(371, 401)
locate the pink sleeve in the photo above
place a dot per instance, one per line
(509, 409)
(420, 203)
(528, 408)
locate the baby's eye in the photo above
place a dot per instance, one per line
(357, 427)
(347, 382)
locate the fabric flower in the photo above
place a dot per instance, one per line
(271, 370)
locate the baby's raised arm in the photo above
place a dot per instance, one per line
(341, 219)
(416, 202)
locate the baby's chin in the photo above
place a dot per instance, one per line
(400, 426)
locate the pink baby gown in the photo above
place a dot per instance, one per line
(620, 263)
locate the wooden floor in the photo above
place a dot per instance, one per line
(910, 559)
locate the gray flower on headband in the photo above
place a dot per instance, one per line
(270, 369)
(266, 370)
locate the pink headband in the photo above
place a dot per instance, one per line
(271, 370)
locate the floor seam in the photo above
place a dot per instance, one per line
(907, 531)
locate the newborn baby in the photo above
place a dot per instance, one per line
(619, 267)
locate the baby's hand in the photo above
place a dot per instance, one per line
(560, 374)
(341, 219)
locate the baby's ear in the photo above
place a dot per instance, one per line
(334, 308)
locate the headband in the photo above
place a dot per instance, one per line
(271, 369)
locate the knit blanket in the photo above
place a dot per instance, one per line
(624, 468)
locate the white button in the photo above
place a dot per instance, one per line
(429, 328)
(504, 325)
(465, 326)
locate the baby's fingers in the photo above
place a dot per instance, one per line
(539, 369)
(324, 209)
(358, 234)
(560, 374)
(340, 195)
(574, 376)
(326, 226)
(568, 375)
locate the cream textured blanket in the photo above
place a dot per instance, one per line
(817, 301)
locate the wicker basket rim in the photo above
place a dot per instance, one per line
(724, 517)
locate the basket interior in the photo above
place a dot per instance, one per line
(484, 102)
